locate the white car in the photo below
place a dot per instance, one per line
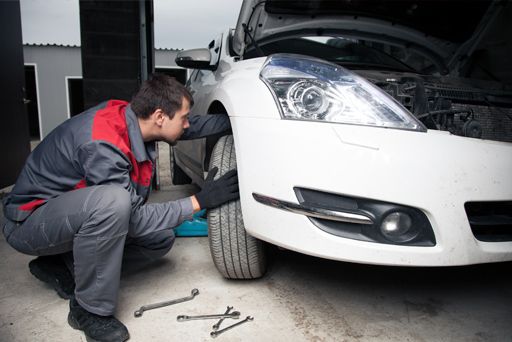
(357, 133)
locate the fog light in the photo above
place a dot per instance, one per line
(397, 227)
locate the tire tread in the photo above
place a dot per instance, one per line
(236, 254)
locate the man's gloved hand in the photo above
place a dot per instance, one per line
(220, 191)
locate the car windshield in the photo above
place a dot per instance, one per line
(350, 53)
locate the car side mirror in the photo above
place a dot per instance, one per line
(194, 59)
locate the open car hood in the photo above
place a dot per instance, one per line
(447, 32)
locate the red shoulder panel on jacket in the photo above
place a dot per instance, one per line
(110, 125)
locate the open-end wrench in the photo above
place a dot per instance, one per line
(217, 325)
(139, 312)
(218, 332)
(183, 318)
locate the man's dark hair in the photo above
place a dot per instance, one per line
(160, 92)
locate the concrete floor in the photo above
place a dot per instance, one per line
(300, 299)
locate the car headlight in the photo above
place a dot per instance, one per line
(307, 88)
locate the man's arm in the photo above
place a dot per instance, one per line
(103, 163)
(204, 125)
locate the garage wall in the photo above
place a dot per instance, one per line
(164, 57)
(53, 65)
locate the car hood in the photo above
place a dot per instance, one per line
(446, 31)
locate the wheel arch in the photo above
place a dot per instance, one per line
(215, 108)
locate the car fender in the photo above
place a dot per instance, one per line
(241, 91)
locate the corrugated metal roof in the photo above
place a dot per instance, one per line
(77, 46)
(50, 44)
(168, 49)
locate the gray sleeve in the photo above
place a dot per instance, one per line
(153, 217)
(205, 125)
(104, 163)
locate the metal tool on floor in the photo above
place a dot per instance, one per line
(218, 332)
(139, 312)
(217, 325)
(183, 318)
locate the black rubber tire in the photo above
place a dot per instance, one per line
(236, 254)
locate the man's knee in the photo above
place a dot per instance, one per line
(110, 205)
(113, 198)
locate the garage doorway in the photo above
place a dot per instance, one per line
(31, 101)
(75, 95)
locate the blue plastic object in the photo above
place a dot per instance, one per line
(195, 227)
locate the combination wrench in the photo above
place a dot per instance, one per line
(183, 318)
(218, 332)
(139, 312)
(216, 326)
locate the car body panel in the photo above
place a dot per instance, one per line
(234, 81)
(435, 171)
(359, 161)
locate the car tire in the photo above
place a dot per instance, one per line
(178, 176)
(236, 254)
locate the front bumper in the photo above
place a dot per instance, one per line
(313, 211)
(434, 172)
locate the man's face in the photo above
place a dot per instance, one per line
(172, 129)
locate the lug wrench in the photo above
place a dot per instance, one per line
(218, 332)
(139, 312)
(216, 326)
(183, 318)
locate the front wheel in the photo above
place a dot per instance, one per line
(236, 254)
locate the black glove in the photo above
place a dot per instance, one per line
(220, 191)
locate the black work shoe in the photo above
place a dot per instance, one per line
(52, 270)
(96, 328)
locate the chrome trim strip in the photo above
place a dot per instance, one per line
(312, 211)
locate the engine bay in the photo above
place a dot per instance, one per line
(461, 106)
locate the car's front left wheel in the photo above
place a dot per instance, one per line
(236, 254)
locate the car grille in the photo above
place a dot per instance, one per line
(496, 122)
(456, 94)
(490, 221)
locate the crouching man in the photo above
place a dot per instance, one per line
(79, 203)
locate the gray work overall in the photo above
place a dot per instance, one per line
(84, 190)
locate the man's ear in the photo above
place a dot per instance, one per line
(158, 117)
